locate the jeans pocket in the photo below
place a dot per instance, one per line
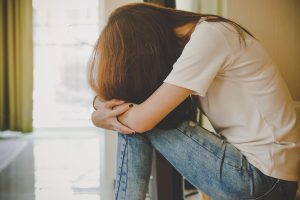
(264, 187)
(272, 193)
(288, 189)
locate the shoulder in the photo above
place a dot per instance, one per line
(224, 33)
(214, 29)
(209, 35)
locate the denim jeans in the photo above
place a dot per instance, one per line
(205, 159)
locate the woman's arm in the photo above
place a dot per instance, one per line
(145, 116)
(106, 113)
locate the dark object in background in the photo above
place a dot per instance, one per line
(167, 3)
(166, 183)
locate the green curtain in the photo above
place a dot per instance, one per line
(16, 65)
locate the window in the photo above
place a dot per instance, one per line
(64, 34)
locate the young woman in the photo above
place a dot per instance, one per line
(150, 60)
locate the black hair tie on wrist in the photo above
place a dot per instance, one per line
(94, 102)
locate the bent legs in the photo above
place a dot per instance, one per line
(207, 161)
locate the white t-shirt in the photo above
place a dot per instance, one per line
(243, 95)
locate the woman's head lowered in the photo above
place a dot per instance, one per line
(136, 51)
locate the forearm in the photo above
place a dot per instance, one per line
(137, 119)
(145, 116)
(105, 116)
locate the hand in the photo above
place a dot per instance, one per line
(106, 113)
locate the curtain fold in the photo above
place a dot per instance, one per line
(16, 65)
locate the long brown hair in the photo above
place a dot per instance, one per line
(136, 51)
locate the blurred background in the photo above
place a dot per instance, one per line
(49, 148)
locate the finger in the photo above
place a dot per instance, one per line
(121, 109)
(112, 103)
(120, 106)
(122, 129)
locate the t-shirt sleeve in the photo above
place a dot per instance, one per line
(206, 54)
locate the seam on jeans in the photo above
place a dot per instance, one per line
(221, 165)
(268, 192)
(228, 164)
(121, 172)
(126, 168)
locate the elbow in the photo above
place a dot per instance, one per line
(137, 122)
(142, 127)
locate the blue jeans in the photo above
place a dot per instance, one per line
(205, 159)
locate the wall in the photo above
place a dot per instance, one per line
(276, 23)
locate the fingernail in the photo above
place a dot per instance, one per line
(130, 105)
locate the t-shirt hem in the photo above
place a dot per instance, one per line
(196, 91)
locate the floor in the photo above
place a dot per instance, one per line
(52, 164)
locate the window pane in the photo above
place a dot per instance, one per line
(64, 34)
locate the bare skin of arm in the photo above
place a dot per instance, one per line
(106, 113)
(143, 117)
